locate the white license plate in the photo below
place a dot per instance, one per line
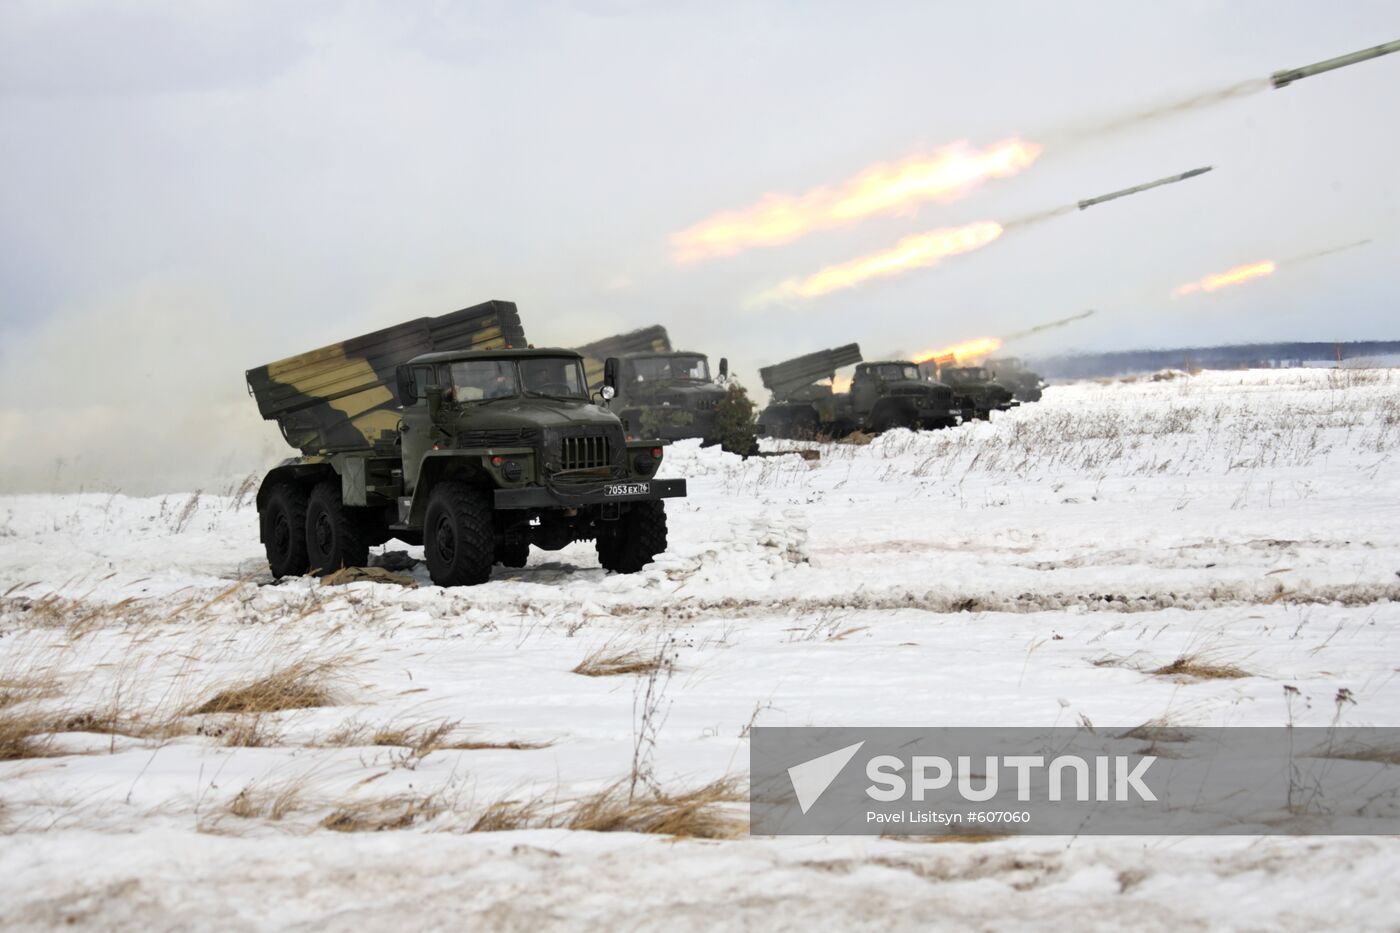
(627, 489)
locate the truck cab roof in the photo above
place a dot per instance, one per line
(650, 354)
(526, 353)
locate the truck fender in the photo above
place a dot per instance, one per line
(444, 464)
(300, 470)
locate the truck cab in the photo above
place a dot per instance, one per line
(892, 393)
(668, 395)
(975, 392)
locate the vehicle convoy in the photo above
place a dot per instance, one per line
(661, 392)
(453, 433)
(975, 393)
(1009, 371)
(882, 395)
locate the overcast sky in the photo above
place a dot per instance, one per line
(191, 189)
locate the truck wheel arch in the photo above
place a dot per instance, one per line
(294, 473)
(463, 465)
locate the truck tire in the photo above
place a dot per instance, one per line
(335, 535)
(459, 540)
(284, 531)
(515, 554)
(633, 541)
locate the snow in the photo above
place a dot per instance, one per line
(1028, 571)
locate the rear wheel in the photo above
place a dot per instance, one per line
(459, 541)
(284, 531)
(633, 541)
(335, 534)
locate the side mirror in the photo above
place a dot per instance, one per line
(724, 367)
(407, 393)
(610, 368)
(434, 394)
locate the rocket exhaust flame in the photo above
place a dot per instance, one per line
(965, 352)
(913, 252)
(881, 189)
(1235, 276)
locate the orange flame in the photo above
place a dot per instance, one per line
(1221, 280)
(884, 188)
(964, 352)
(912, 252)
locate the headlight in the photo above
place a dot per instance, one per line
(607, 392)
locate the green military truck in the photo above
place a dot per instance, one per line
(883, 395)
(1024, 384)
(453, 433)
(975, 393)
(661, 392)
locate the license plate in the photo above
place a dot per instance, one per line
(627, 489)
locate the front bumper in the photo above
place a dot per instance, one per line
(547, 497)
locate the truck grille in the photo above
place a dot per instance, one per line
(499, 437)
(584, 453)
(706, 404)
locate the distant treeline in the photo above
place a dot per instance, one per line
(1233, 356)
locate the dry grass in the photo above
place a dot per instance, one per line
(252, 731)
(299, 685)
(377, 816)
(605, 662)
(420, 738)
(25, 734)
(507, 815)
(1356, 752)
(695, 813)
(1198, 667)
(269, 803)
(473, 745)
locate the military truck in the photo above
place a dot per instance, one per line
(1025, 385)
(661, 392)
(883, 395)
(453, 433)
(975, 393)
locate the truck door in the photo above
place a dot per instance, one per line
(415, 428)
(864, 389)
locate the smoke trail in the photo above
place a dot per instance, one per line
(1022, 334)
(1165, 110)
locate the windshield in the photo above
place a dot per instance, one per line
(969, 374)
(557, 376)
(894, 372)
(656, 368)
(481, 380)
(484, 380)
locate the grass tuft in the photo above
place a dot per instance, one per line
(1197, 667)
(694, 814)
(377, 816)
(300, 685)
(606, 663)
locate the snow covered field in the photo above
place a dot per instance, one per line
(1039, 569)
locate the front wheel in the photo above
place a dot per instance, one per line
(459, 541)
(633, 541)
